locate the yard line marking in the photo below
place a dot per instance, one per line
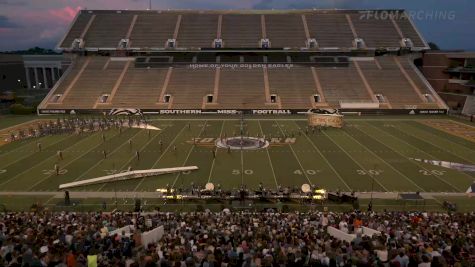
(38, 164)
(102, 159)
(69, 163)
(26, 156)
(357, 163)
(26, 142)
(268, 156)
(49, 199)
(416, 162)
(132, 158)
(159, 158)
(242, 167)
(434, 144)
(385, 162)
(214, 159)
(164, 152)
(189, 153)
(295, 155)
(326, 160)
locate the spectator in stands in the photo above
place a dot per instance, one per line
(236, 239)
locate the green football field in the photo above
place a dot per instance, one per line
(368, 154)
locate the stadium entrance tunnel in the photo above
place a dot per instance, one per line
(241, 142)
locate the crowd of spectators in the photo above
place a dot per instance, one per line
(237, 239)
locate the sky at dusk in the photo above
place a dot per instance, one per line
(29, 23)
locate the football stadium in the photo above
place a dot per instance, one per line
(239, 138)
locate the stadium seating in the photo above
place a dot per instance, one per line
(147, 34)
(108, 29)
(295, 88)
(343, 238)
(376, 33)
(97, 79)
(330, 30)
(335, 75)
(409, 31)
(389, 82)
(140, 87)
(241, 88)
(285, 30)
(76, 29)
(189, 87)
(73, 72)
(342, 84)
(197, 30)
(239, 31)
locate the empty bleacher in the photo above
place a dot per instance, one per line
(182, 72)
(409, 31)
(419, 83)
(98, 78)
(330, 30)
(294, 87)
(342, 84)
(153, 30)
(68, 79)
(197, 30)
(376, 33)
(241, 88)
(108, 29)
(240, 31)
(76, 29)
(188, 87)
(140, 87)
(389, 81)
(285, 31)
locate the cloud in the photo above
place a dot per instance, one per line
(12, 3)
(66, 14)
(5, 23)
(302, 4)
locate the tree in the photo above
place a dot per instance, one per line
(433, 46)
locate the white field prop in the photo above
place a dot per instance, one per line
(127, 176)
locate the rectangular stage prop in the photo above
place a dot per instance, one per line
(325, 118)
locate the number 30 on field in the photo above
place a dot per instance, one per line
(431, 172)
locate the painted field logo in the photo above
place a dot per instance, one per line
(211, 142)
